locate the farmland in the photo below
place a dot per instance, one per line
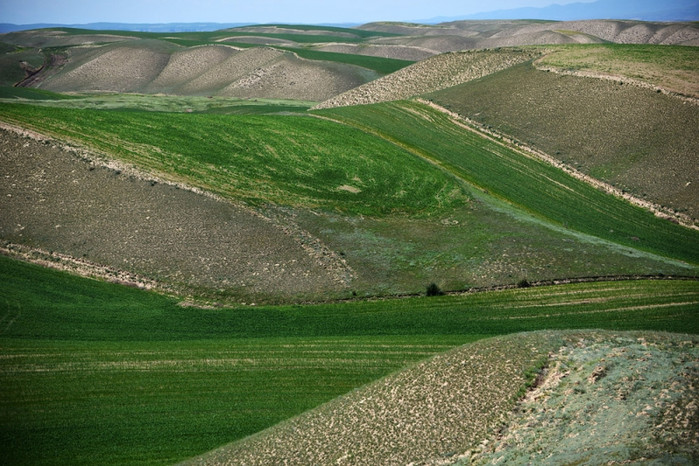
(215, 246)
(90, 367)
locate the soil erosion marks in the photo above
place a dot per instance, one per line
(56, 201)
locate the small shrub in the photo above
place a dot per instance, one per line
(523, 283)
(434, 290)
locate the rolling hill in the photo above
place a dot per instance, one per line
(249, 248)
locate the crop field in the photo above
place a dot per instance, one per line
(527, 184)
(289, 160)
(376, 223)
(98, 372)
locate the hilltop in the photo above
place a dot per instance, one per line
(304, 62)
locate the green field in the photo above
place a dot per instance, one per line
(401, 203)
(96, 372)
(528, 185)
(287, 160)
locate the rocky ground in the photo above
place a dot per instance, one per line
(603, 398)
(430, 75)
(607, 400)
(60, 202)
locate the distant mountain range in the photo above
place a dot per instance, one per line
(144, 27)
(644, 10)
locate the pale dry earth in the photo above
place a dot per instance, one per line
(215, 70)
(436, 73)
(601, 393)
(65, 202)
(400, 52)
(446, 37)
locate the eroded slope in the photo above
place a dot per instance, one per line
(155, 66)
(53, 200)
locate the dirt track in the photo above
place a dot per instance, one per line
(53, 200)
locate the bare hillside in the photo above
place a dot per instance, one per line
(635, 138)
(162, 67)
(59, 38)
(119, 68)
(433, 74)
(55, 200)
(401, 52)
(460, 407)
(461, 35)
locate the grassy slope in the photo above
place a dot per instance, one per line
(413, 234)
(94, 372)
(290, 160)
(527, 184)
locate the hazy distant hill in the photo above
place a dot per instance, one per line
(143, 27)
(646, 10)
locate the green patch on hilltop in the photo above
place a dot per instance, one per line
(625, 59)
(286, 160)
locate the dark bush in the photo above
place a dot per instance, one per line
(523, 283)
(434, 290)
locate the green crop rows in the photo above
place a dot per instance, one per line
(527, 184)
(289, 160)
(96, 372)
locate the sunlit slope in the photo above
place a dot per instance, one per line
(528, 185)
(291, 160)
(460, 35)
(633, 137)
(440, 72)
(671, 68)
(159, 66)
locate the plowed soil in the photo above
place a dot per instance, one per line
(56, 200)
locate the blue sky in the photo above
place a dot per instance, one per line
(243, 11)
